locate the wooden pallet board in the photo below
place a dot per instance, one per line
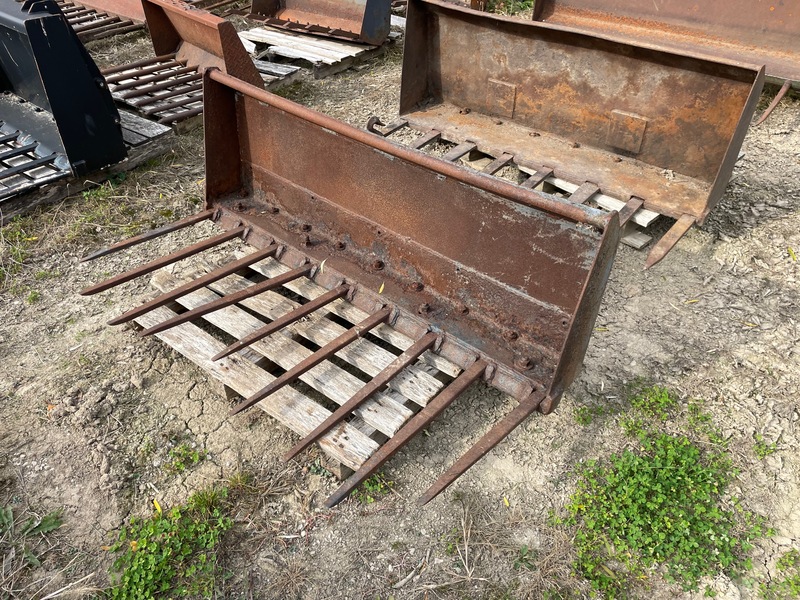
(302, 406)
(324, 56)
(143, 139)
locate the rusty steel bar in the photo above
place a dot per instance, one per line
(328, 350)
(159, 76)
(153, 233)
(182, 115)
(196, 284)
(582, 195)
(190, 99)
(428, 138)
(490, 439)
(416, 424)
(145, 62)
(459, 151)
(534, 180)
(165, 260)
(630, 208)
(775, 101)
(365, 393)
(498, 163)
(488, 184)
(249, 292)
(668, 241)
(285, 320)
(164, 85)
(170, 94)
(143, 71)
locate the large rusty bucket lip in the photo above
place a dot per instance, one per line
(649, 31)
(592, 34)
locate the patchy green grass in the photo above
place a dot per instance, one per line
(23, 543)
(762, 448)
(787, 585)
(16, 240)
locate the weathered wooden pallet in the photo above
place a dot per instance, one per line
(90, 24)
(324, 56)
(168, 91)
(467, 153)
(143, 139)
(303, 406)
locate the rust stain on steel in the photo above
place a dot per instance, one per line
(592, 109)
(130, 9)
(733, 30)
(486, 256)
(356, 20)
(198, 38)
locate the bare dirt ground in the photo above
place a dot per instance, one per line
(88, 413)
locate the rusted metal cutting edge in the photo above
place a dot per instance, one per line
(668, 241)
(249, 292)
(775, 101)
(416, 424)
(365, 393)
(196, 284)
(152, 234)
(317, 357)
(166, 260)
(490, 439)
(285, 320)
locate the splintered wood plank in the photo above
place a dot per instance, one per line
(413, 383)
(291, 408)
(310, 290)
(381, 412)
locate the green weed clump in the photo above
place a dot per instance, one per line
(172, 554)
(661, 507)
(373, 489)
(787, 586)
(183, 457)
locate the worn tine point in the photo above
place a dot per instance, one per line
(164, 261)
(224, 301)
(196, 284)
(416, 424)
(490, 439)
(328, 350)
(365, 393)
(284, 320)
(152, 234)
(669, 239)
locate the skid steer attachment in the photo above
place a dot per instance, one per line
(186, 40)
(657, 131)
(56, 116)
(365, 21)
(422, 276)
